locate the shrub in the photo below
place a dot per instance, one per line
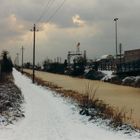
(6, 63)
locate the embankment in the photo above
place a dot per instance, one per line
(114, 95)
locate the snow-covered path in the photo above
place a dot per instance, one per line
(48, 117)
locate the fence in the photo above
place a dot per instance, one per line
(132, 68)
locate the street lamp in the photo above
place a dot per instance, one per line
(116, 36)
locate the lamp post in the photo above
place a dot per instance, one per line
(116, 36)
(120, 51)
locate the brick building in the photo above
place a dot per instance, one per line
(132, 55)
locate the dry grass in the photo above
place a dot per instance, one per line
(6, 77)
(90, 93)
(117, 116)
(88, 101)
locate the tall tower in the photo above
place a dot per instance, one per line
(85, 55)
(78, 48)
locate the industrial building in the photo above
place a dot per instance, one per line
(132, 55)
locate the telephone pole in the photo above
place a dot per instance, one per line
(22, 49)
(34, 31)
(17, 59)
(116, 36)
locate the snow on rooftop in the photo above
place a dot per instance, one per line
(106, 56)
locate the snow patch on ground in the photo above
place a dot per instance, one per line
(108, 75)
(49, 117)
(131, 81)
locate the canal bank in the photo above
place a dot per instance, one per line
(124, 97)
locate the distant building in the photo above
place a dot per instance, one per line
(130, 64)
(132, 55)
(106, 62)
(107, 57)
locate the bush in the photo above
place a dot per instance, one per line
(94, 75)
(6, 63)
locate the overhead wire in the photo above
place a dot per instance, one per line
(46, 10)
(56, 11)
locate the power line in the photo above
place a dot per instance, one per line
(55, 12)
(46, 10)
(43, 11)
(34, 32)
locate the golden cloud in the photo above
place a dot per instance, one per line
(78, 21)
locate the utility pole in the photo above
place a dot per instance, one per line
(17, 59)
(34, 31)
(60, 59)
(22, 49)
(116, 36)
(57, 59)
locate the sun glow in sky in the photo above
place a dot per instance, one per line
(88, 22)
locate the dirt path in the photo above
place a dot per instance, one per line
(115, 95)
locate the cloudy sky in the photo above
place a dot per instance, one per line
(89, 22)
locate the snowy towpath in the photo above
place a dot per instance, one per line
(48, 117)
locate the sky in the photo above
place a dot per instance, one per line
(89, 22)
